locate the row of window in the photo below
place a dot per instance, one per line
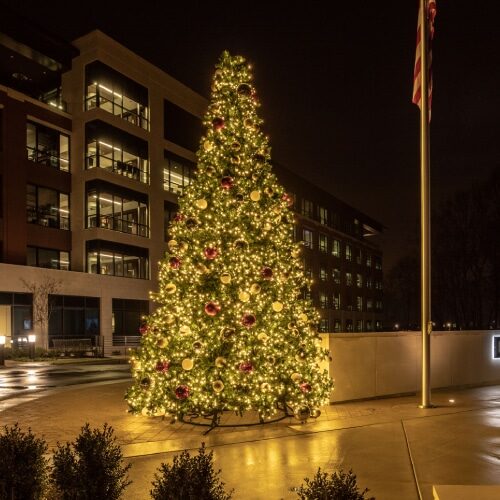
(47, 207)
(334, 302)
(349, 279)
(334, 247)
(349, 325)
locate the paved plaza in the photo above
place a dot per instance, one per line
(394, 448)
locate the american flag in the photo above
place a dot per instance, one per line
(417, 91)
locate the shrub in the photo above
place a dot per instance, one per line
(189, 478)
(338, 486)
(23, 467)
(91, 468)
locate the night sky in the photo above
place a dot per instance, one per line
(335, 85)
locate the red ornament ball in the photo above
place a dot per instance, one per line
(143, 329)
(178, 217)
(182, 392)
(145, 383)
(212, 308)
(227, 182)
(162, 366)
(244, 89)
(174, 263)
(246, 367)
(305, 387)
(267, 273)
(288, 199)
(210, 253)
(218, 123)
(248, 320)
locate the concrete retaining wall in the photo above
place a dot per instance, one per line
(366, 365)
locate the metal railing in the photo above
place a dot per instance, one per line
(130, 115)
(138, 173)
(49, 158)
(117, 224)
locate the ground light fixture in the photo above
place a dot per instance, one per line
(31, 342)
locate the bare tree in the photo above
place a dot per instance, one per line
(42, 306)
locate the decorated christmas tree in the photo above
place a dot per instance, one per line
(231, 331)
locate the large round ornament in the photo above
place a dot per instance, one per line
(315, 413)
(187, 364)
(182, 392)
(220, 361)
(267, 273)
(174, 262)
(255, 289)
(145, 383)
(240, 244)
(208, 145)
(248, 320)
(263, 337)
(303, 317)
(225, 278)
(218, 386)
(218, 123)
(143, 329)
(210, 253)
(248, 122)
(185, 330)
(244, 296)
(162, 366)
(227, 333)
(197, 346)
(235, 146)
(227, 182)
(244, 89)
(161, 342)
(305, 387)
(302, 414)
(255, 195)
(277, 306)
(202, 204)
(264, 387)
(191, 223)
(246, 367)
(296, 377)
(172, 245)
(170, 288)
(212, 308)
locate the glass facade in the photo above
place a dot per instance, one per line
(114, 158)
(307, 208)
(177, 174)
(117, 260)
(307, 238)
(47, 146)
(128, 316)
(323, 243)
(48, 258)
(110, 210)
(47, 207)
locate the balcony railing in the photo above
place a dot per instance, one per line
(47, 219)
(137, 170)
(131, 115)
(46, 157)
(118, 224)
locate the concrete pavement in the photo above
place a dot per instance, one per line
(394, 448)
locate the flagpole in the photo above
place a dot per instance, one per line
(426, 323)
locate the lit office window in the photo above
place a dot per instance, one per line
(323, 300)
(336, 276)
(337, 325)
(177, 174)
(359, 280)
(336, 300)
(359, 303)
(348, 279)
(323, 215)
(307, 238)
(117, 263)
(359, 257)
(336, 248)
(323, 243)
(348, 252)
(47, 146)
(323, 326)
(323, 274)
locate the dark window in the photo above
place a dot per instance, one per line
(47, 146)
(128, 316)
(177, 173)
(49, 258)
(181, 127)
(47, 207)
(170, 210)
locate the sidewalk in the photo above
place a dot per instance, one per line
(378, 427)
(10, 363)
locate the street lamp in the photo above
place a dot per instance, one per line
(31, 342)
(2, 350)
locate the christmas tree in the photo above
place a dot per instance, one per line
(231, 331)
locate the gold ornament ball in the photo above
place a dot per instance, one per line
(244, 296)
(302, 414)
(262, 336)
(170, 288)
(277, 306)
(277, 210)
(218, 386)
(161, 342)
(208, 145)
(303, 317)
(169, 319)
(185, 330)
(267, 226)
(264, 387)
(202, 204)
(220, 361)
(255, 195)
(172, 245)
(144, 412)
(225, 278)
(187, 364)
(296, 253)
(315, 413)
(255, 289)
(296, 377)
